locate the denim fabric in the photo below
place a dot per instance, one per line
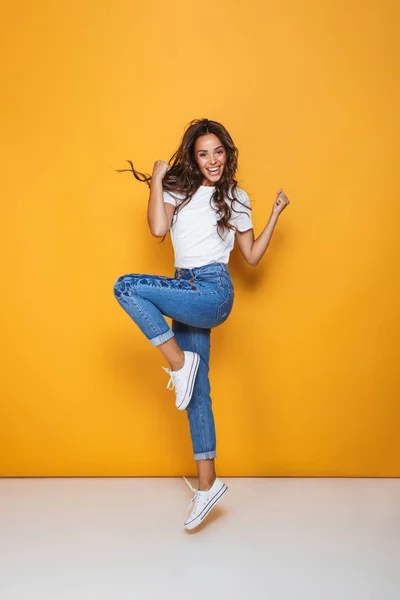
(196, 300)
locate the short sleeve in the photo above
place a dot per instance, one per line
(242, 220)
(168, 198)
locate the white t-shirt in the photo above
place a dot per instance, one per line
(194, 235)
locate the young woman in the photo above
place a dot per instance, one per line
(196, 197)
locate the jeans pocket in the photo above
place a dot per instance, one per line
(224, 309)
(211, 277)
(209, 273)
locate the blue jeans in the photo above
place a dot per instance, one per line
(196, 300)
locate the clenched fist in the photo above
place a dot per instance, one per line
(160, 168)
(280, 203)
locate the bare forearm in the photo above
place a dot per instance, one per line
(260, 245)
(156, 215)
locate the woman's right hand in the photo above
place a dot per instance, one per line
(160, 168)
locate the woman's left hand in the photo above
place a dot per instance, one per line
(280, 203)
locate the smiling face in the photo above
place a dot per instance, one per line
(210, 157)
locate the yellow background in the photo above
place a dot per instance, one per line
(303, 373)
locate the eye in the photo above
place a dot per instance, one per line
(220, 151)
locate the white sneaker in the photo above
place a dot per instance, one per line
(203, 502)
(183, 379)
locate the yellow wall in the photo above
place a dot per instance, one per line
(303, 374)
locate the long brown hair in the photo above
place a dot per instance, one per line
(184, 176)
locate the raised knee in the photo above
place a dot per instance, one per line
(119, 287)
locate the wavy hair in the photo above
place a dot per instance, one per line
(184, 176)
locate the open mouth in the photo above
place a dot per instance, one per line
(214, 170)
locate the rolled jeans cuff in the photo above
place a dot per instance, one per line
(164, 337)
(205, 455)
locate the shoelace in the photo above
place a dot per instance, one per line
(195, 497)
(174, 380)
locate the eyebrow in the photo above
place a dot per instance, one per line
(206, 150)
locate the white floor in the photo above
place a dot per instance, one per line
(269, 539)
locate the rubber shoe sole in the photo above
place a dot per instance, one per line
(194, 359)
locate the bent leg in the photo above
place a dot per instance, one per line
(142, 311)
(147, 298)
